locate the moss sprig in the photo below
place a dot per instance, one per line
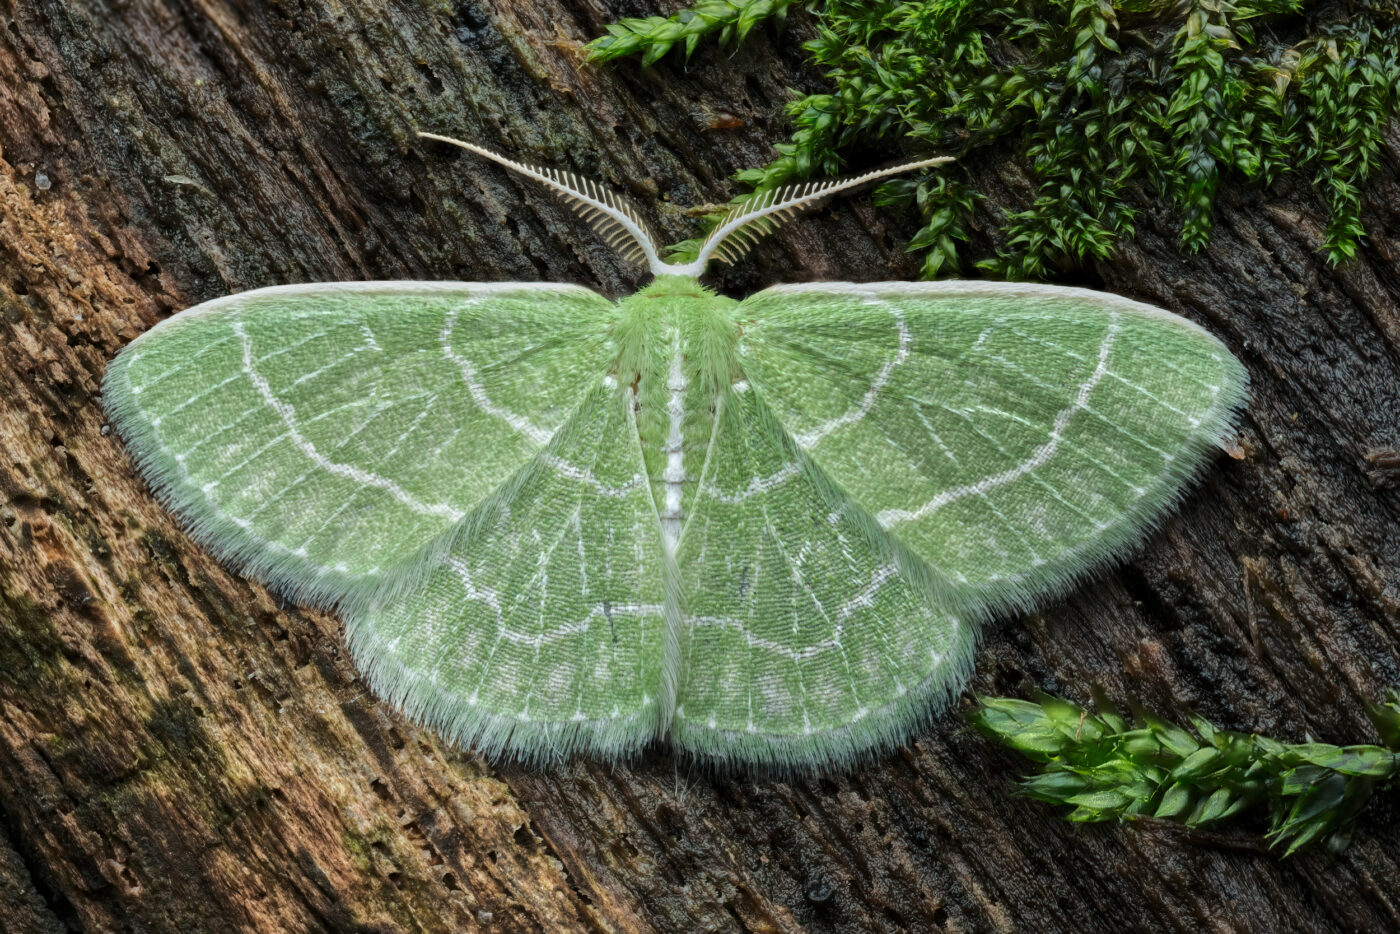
(1105, 768)
(1107, 105)
(653, 36)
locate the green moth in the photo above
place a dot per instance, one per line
(766, 530)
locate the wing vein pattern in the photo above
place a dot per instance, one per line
(539, 621)
(1015, 437)
(318, 437)
(767, 531)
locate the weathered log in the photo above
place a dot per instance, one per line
(182, 751)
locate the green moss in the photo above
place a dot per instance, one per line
(358, 850)
(30, 645)
(652, 37)
(179, 729)
(1105, 769)
(1105, 104)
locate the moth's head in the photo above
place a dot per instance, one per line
(622, 227)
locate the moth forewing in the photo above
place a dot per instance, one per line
(316, 436)
(1016, 436)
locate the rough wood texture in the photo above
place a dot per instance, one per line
(181, 751)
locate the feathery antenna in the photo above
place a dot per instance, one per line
(622, 227)
(748, 220)
(613, 216)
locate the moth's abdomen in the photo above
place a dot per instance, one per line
(677, 346)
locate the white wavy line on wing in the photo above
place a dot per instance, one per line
(1039, 456)
(287, 413)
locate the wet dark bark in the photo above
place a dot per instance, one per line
(181, 751)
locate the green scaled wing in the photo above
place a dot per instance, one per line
(1014, 436)
(539, 624)
(318, 436)
(809, 636)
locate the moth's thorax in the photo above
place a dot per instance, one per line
(675, 287)
(677, 351)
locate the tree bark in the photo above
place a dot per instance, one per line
(181, 750)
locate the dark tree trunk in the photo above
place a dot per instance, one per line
(182, 751)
